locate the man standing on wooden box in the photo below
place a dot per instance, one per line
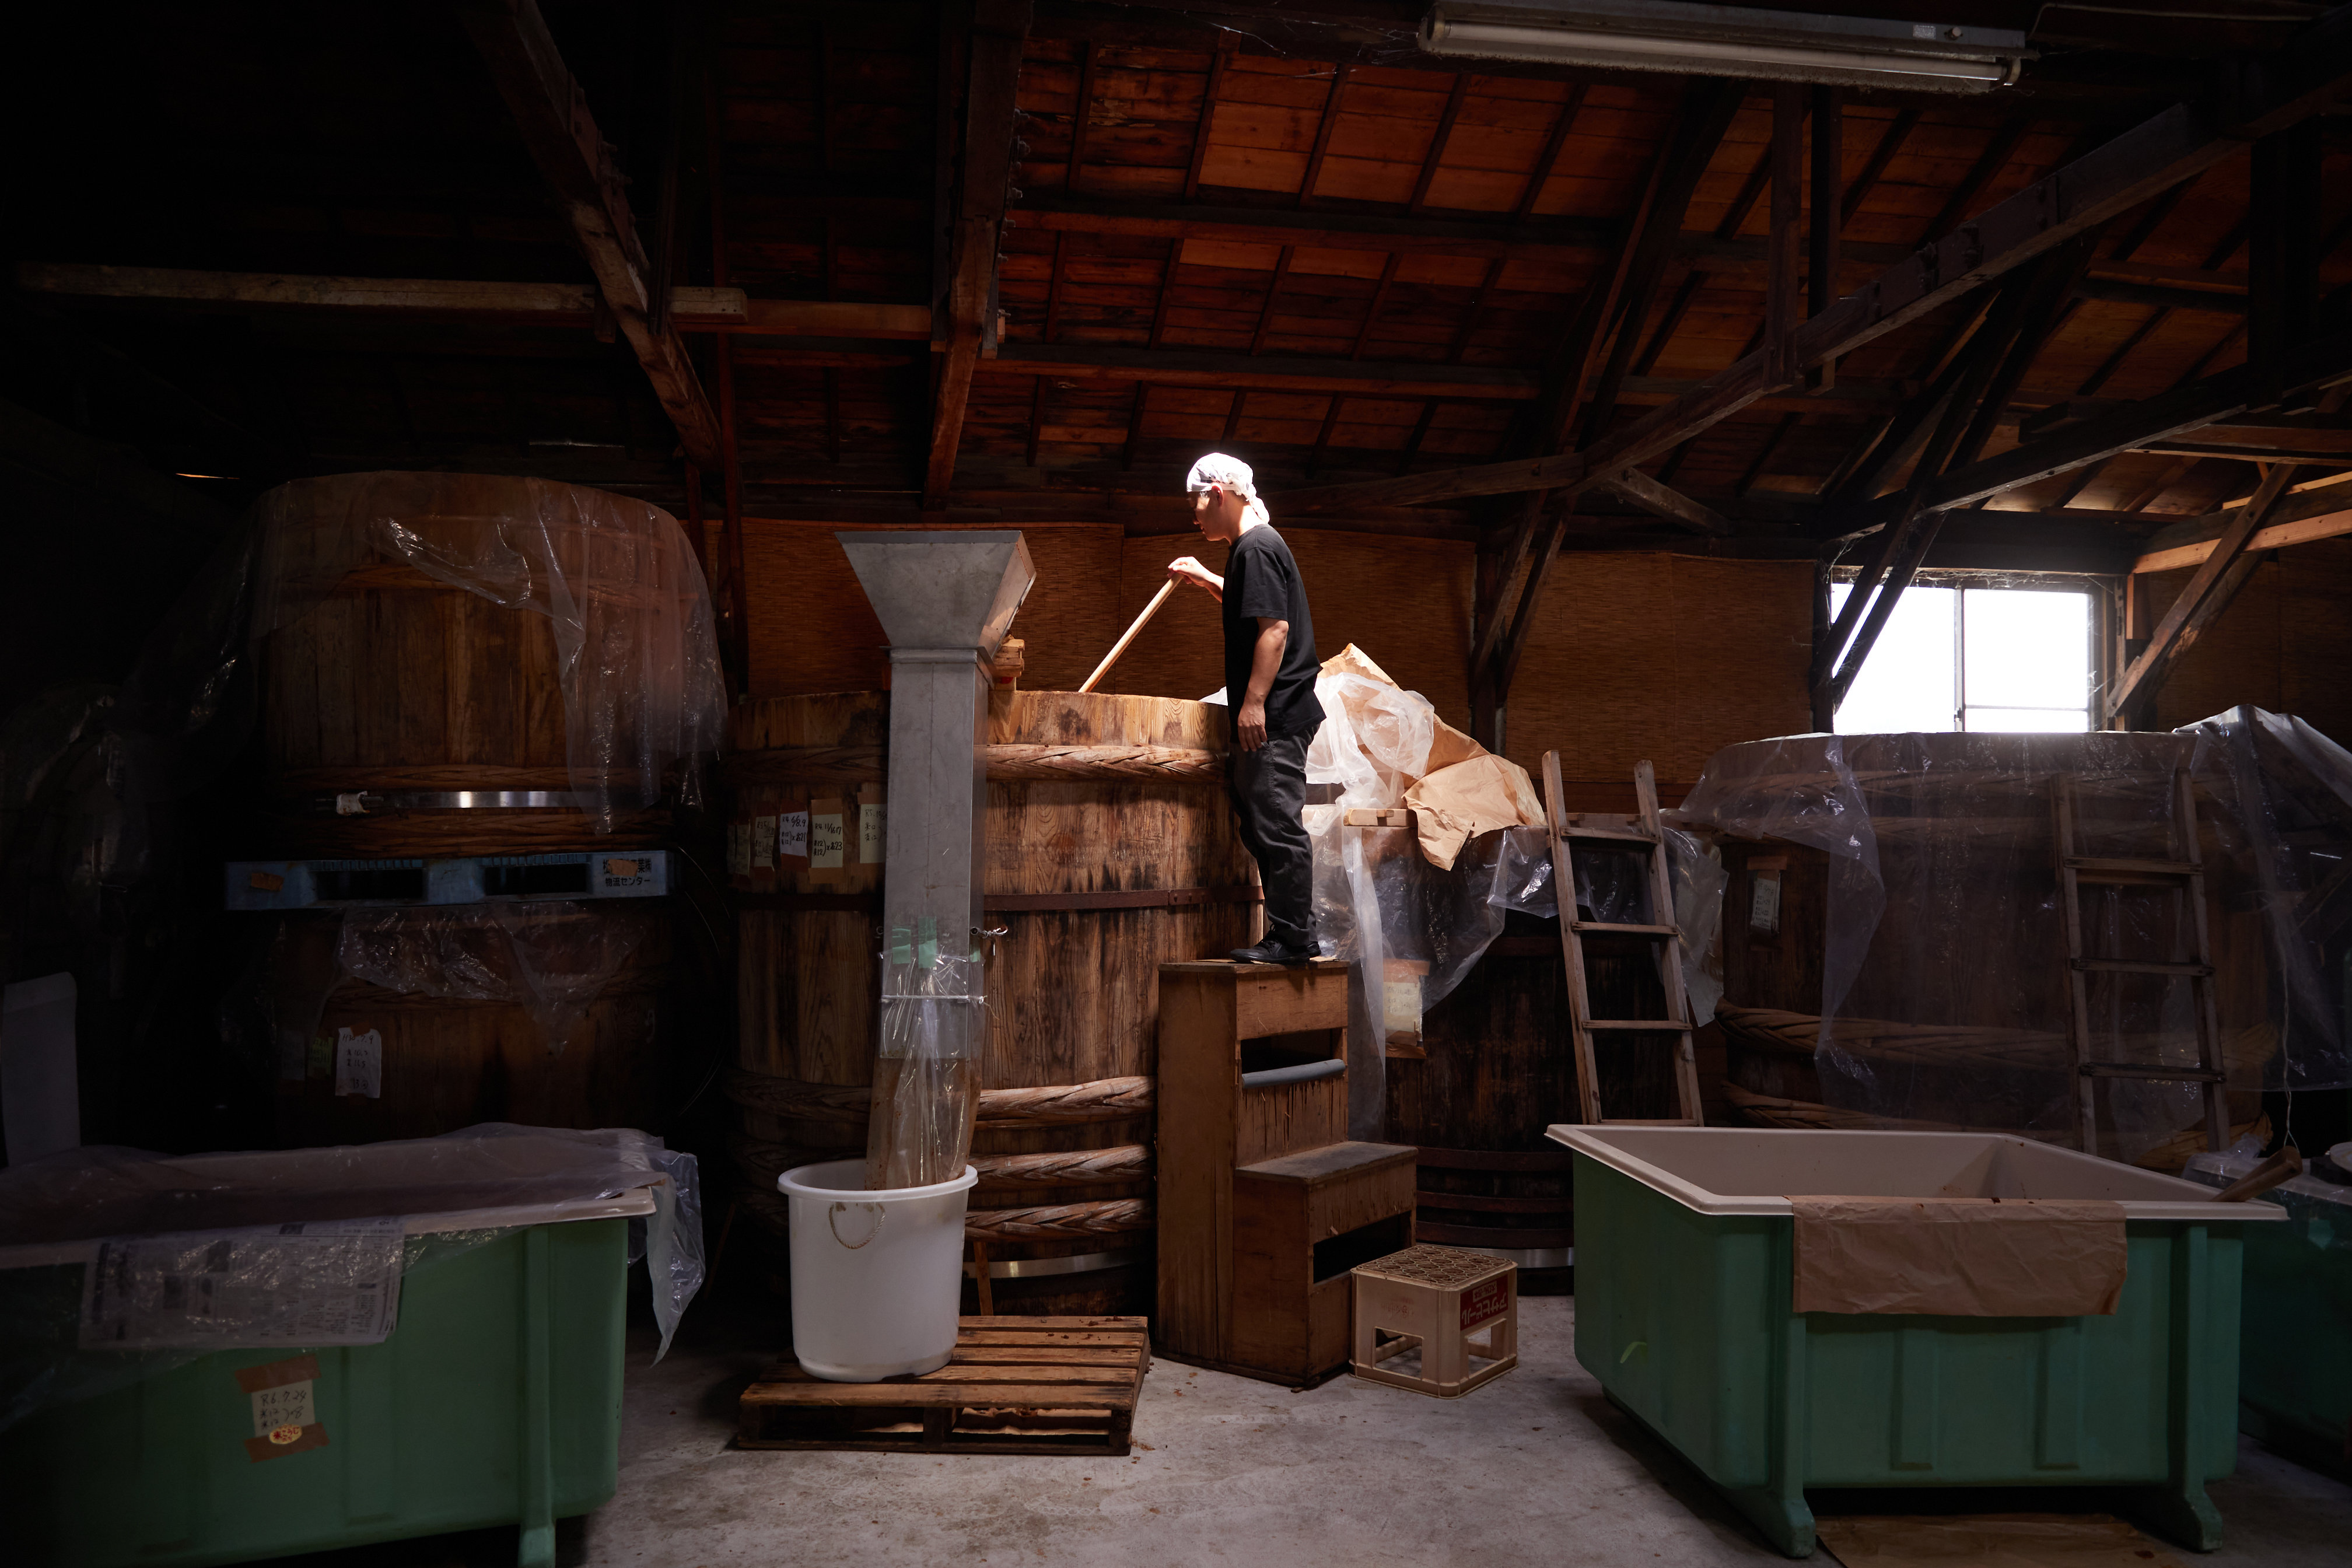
(1270, 669)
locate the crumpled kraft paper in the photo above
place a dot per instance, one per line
(1961, 1258)
(1453, 803)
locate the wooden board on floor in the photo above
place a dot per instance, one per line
(1014, 1385)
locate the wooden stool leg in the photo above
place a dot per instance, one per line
(987, 1286)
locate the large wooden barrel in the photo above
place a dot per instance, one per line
(443, 709)
(414, 631)
(1959, 1011)
(459, 1041)
(1110, 850)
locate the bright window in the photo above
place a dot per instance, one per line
(1974, 659)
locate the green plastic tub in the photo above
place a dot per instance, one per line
(2294, 1371)
(1683, 1297)
(494, 1400)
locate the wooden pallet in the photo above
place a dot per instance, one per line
(1015, 1386)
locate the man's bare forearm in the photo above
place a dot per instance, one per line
(1267, 659)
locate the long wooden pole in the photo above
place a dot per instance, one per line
(1119, 647)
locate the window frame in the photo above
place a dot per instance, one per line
(2100, 626)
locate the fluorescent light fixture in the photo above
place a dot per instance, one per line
(1729, 40)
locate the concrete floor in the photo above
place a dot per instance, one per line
(1536, 1468)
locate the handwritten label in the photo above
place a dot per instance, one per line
(791, 836)
(870, 834)
(763, 843)
(1764, 903)
(358, 1063)
(289, 1404)
(824, 841)
(1485, 1301)
(739, 848)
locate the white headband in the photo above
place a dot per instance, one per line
(1235, 476)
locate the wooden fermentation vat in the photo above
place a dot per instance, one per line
(1110, 850)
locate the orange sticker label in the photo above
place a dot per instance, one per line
(281, 1436)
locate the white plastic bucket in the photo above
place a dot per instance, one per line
(876, 1276)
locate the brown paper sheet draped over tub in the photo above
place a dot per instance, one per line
(1959, 1257)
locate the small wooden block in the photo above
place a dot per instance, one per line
(1387, 816)
(1014, 1385)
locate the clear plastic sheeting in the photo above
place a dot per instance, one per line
(927, 1070)
(1945, 988)
(553, 959)
(2287, 848)
(1412, 909)
(181, 1255)
(634, 633)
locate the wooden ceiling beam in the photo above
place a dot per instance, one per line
(2180, 142)
(552, 112)
(2209, 593)
(693, 309)
(1647, 493)
(999, 30)
(1182, 367)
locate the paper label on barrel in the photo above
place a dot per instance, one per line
(824, 841)
(763, 843)
(358, 1063)
(791, 836)
(870, 835)
(1764, 903)
(1401, 1005)
(739, 848)
(1485, 1301)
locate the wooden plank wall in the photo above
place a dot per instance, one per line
(2280, 645)
(1636, 655)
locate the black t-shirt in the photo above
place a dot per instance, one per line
(1261, 579)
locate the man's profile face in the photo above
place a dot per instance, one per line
(1208, 507)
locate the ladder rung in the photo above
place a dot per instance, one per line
(1612, 928)
(1653, 1023)
(2101, 867)
(2153, 1074)
(2131, 966)
(1626, 834)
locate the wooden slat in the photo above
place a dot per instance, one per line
(999, 30)
(552, 112)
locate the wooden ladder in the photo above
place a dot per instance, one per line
(2185, 872)
(1566, 829)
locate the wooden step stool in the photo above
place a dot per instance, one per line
(1264, 1203)
(1433, 1299)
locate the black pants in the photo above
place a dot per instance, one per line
(1269, 790)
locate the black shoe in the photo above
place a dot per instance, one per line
(1274, 950)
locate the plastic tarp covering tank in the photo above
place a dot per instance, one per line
(634, 633)
(1413, 910)
(185, 1255)
(638, 654)
(1946, 982)
(553, 959)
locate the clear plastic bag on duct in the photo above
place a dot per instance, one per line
(636, 648)
(927, 1070)
(83, 1223)
(1945, 991)
(552, 958)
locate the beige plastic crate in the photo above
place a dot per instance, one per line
(1434, 1299)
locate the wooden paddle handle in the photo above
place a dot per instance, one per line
(1121, 647)
(2279, 1169)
